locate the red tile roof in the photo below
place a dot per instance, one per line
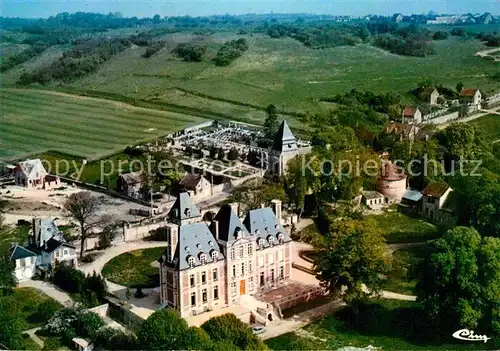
(436, 189)
(392, 172)
(468, 92)
(409, 111)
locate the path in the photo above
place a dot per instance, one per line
(291, 324)
(490, 111)
(49, 289)
(463, 120)
(399, 246)
(113, 251)
(34, 337)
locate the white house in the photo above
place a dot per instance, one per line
(412, 114)
(434, 197)
(25, 262)
(470, 97)
(32, 174)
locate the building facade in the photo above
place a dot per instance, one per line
(207, 266)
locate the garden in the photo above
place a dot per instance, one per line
(135, 269)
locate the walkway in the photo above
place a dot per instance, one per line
(113, 251)
(49, 289)
(34, 337)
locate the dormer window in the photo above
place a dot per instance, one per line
(270, 239)
(187, 249)
(190, 260)
(211, 243)
(187, 212)
(238, 233)
(215, 255)
(260, 242)
(266, 229)
(281, 238)
(203, 258)
(198, 246)
(257, 232)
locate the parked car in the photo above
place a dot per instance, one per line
(258, 330)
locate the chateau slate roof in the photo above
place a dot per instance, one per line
(284, 139)
(228, 224)
(195, 239)
(262, 223)
(183, 208)
(19, 252)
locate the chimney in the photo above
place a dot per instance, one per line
(215, 226)
(172, 238)
(37, 223)
(276, 206)
(235, 207)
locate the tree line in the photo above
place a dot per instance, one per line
(230, 51)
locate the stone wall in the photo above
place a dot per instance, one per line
(442, 119)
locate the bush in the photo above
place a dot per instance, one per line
(190, 51)
(69, 279)
(230, 51)
(88, 258)
(87, 324)
(233, 154)
(45, 311)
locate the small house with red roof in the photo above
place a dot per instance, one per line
(470, 97)
(435, 196)
(412, 115)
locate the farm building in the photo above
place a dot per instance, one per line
(412, 115)
(373, 199)
(470, 97)
(197, 186)
(434, 198)
(130, 184)
(430, 95)
(392, 182)
(32, 174)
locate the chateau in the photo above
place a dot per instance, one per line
(209, 266)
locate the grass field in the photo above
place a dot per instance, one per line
(489, 126)
(384, 324)
(28, 300)
(288, 74)
(35, 121)
(399, 228)
(134, 269)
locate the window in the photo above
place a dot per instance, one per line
(282, 272)
(203, 258)
(234, 270)
(233, 254)
(260, 242)
(215, 275)
(203, 277)
(22, 262)
(242, 251)
(57, 253)
(262, 279)
(65, 252)
(250, 268)
(271, 240)
(243, 269)
(216, 293)
(32, 260)
(193, 299)
(215, 255)
(204, 295)
(233, 289)
(191, 280)
(272, 275)
(271, 258)
(251, 282)
(191, 261)
(261, 261)
(281, 255)
(281, 238)
(249, 249)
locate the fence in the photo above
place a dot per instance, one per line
(299, 298)
(141, 230)
(442, 119)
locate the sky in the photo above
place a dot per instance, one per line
(147, 8)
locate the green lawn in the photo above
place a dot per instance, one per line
(35, 121)
(489, 126)
(286, 73)
(399, 228)
(388, 324)
(402, 278)
(134, 269)
(13, 234)
(28, 300)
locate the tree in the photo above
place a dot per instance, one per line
(462, 140)
(106, 238)
(83, 207)
(213, 152)
(45, 311)
(164, 330)
(459, 86)
(459, 283)
(170, 180)
(8, 279)
(11, 324)
(352, 254)
(69, 279)
(271, 123)
(337, 137)
(113, 339)
(233, 154)
(229, 328)
(254, 193)
(87, 323)
(220, 154)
